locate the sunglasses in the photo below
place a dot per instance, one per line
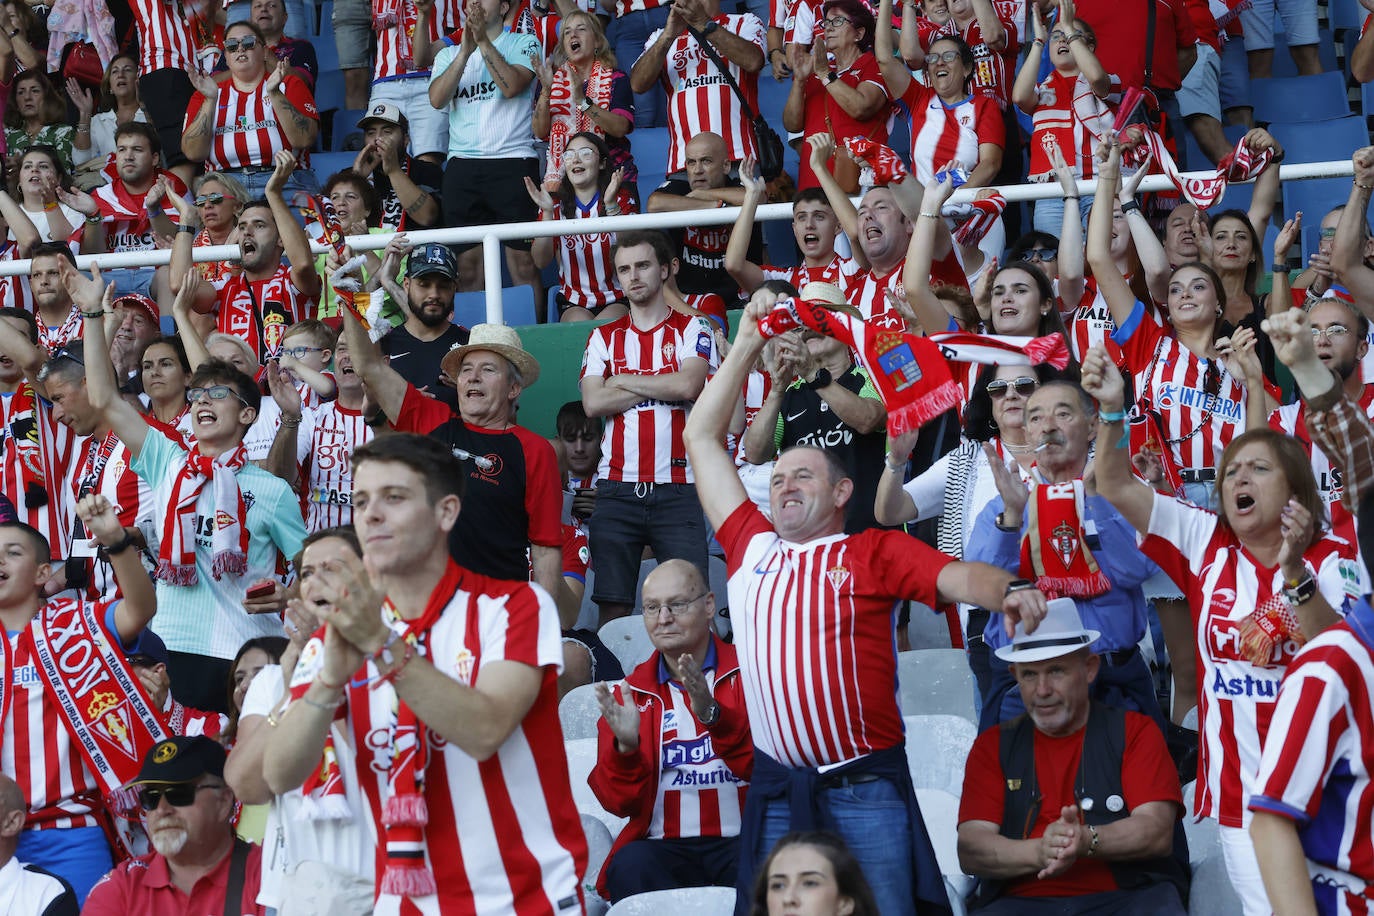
(204, 199)
(1040, 254)
(247, 43)
(180, 795)
(1328, 233)
(214, 393)
(997, 388)
(947, 57)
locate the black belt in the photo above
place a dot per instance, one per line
(1198, 475)
(1120, 657)
(249, 169)
(840, 780)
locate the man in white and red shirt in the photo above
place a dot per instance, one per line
(884, 232)
(67, 741)
(813, 610)
(35, 450)
(261, 301)
(1341, 347)
(432, 654)
(815, 227)
(166, 60)
(642, 372)
(674, 752)
(1313, 797)
(699, 98)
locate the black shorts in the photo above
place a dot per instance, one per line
(166, 95)
(480, 192)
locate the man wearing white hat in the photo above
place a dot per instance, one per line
(1070, 808)
(514, 499)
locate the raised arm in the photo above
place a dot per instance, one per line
(1110, 283)
(1071, 284)
(893, 68)
(1089, 67)
(747, 274)
(90, 297)
(709, 421)
(1131, 497)
(385, 384)
(1348, 247)
(444, 80)
(1281, 292)
(1154, 263)
(199, 131)
(994, 33)
(295, 243)
(1266, 185)
(1023, 92)
(649, 67)
(21, 227)
(930, 239)
(822, 148)
(139, 603)
(1362, 57)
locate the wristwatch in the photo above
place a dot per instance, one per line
(709, 27)
(822, 379)
(585, 105)
(1018, 585)
(1302, 591)
(712, 715)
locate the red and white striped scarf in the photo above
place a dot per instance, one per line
(323, 794)
(54, 339)
(22, 433)
(565, 121)
(176, 562)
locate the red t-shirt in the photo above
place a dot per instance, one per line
(1147, 775)
(1120, 28)
(824, 115)
(144, 886)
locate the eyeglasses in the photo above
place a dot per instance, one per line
(72, 355)
(676, 609)
(1059, 35)
(945, 57)
(834, 22)
(299, 352)
(997, 388)
(213, 392)
(1333, 333)
(583, 153)
(1040, 254)
(203, 199)
(180, 795)
(1329, 232)
(247, 43)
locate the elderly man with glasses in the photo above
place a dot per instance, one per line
(674, 751)
(197, 865)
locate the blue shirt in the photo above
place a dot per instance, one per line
(1119, 615)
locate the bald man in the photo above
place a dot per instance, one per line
(676, 751)
(707, 186)
(26, 890)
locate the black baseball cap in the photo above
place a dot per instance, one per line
(432, 258)
(181, 759)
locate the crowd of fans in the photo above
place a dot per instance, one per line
(292, 597)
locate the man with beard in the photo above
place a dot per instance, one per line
(882, 231)
(702, 249)
(188, 811)
(417, 347)
(1340, 334)
(134, 209)
(407, 186)
(59, 322)
(268, 295)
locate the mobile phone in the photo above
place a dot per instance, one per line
(261, 590)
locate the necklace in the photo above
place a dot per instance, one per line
(1017, 449)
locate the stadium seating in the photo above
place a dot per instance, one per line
(344, 133)
(329, 90)
(936, 681)
(1300, 98)
(940, 811)
(581, 759)
(1212, 893)
(578, 712)
(627, 638)
(1283, 60)
(324, 22)
(936, 748)
(650, 148)
(1313, 141)
(326, 164)
(927, 629)
(599, 841)
(699, 901)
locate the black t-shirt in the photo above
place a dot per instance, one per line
(808, 420)
(702, 250)
(427, 176)
(418, 360)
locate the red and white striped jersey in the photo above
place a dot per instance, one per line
(697, 795)
(992, 70)
(37, 751)
(503, 833)
(260, 311)
(324, 447)
(1316, 770)
(699, 99)
(866, 292)
(1224, 586)
(246, 130)
(1292, 419)
(1170, 379)
(756, 389)
(165, 40)
(813, 631)
(1090, 325)
(127, 227)
(644, 444)
(55, 448)
(14, 291)
(585, 266)
(389, 62)
(102, 466)
(839, 271)
(797, 20)
(1067, 110)
(941, 133)
(622, 7)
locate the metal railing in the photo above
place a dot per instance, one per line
(491, 237)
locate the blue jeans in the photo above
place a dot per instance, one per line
(1049, 214)
(301, 182)
(872, 818)
(131, 280)
(628, 36)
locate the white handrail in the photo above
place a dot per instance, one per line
(491, 237)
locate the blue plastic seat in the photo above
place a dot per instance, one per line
(470, 308)
(329, 91)
(1319, 141)
(650, 147)
(772, 97)
(517, 302)
(344, 134)
(1315, 197)
(326, 164)
(781, 243)
(1283, 61)
(1300, 98)
(323, 24)
(1345, 15)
